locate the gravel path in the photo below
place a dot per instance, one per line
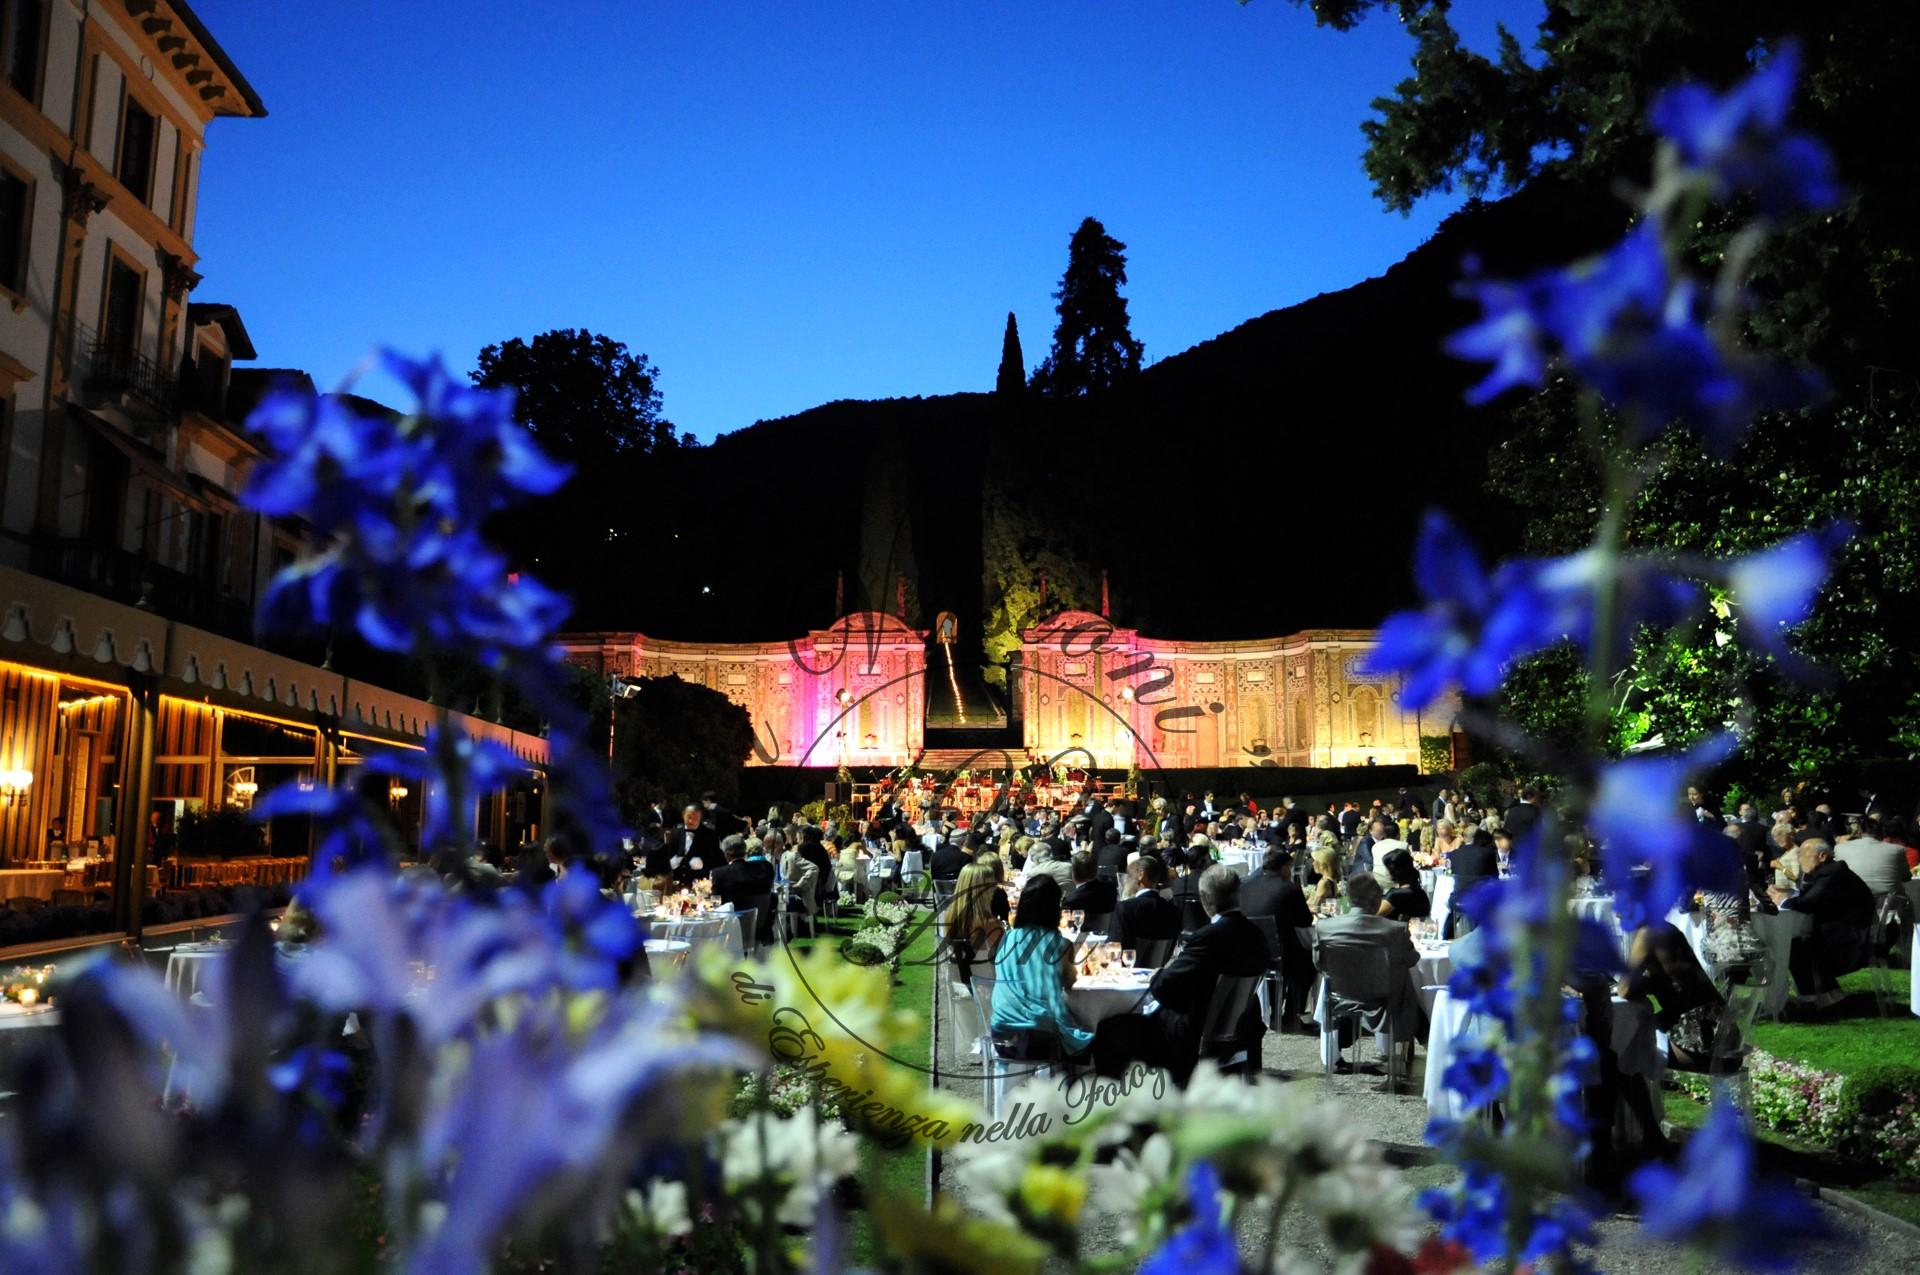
(1861, 1246)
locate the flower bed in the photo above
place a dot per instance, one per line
(1874, 1114)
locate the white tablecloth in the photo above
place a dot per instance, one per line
(1913, 986)
(1244, 862)
(27, 1017)
(667, 954)
(1636, 1044)
(1094, 999)
(31, 883)
(188, 962)
(722, 928)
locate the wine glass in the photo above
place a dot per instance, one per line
(1079, 918)
(1110, 954)
(1127, 958)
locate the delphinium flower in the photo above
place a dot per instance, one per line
(1205, 1245)
(1643, 335)
(1775, 587)
(1738, 142)
(1715, 1200)
(1636, 329)
(1453, 640)
(1655, 852)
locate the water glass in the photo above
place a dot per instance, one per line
(1127, 958)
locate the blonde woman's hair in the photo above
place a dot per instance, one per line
(972, 907)
(1326, 861)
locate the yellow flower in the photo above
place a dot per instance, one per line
(950, 1241)
(1050, 1193)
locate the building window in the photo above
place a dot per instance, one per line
(23, 25)
(16, 217)
(120, 325)
(138, 132)
(182, 184)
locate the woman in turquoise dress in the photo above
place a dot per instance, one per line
(1033, 968)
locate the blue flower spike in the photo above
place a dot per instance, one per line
(1715, 1199)
(1205, 1246)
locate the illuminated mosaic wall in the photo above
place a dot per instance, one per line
(854, 692)
(1292, 701)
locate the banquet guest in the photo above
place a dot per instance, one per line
(532, 869)
(1168, 1034)
(1042, 863)
(1326, 878)
(1032, 970)
(997, 869)
(1113, 854)
(1446, 839)
(1091, 893)
(802, 878)
(741, 878)
(692, 850)
(1841, 906)
(1379, 832)
(1523, 814)
(1148, 915)
(1273, 892)
(1661, 967)
(1099, 821)
(1184, 893)
(1875, 859)
(846, 869)
(949, 859)
(972, 925)
(1405, 899)
(1365, 928)
(1475, 862)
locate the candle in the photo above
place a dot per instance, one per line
(29, 995)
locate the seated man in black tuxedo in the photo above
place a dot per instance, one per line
(740, 879)
(1273, 892)
(1091, 893)
(1147, 915)
(1167, 1034)
(1841, 905)
(949, 860)
(1113, 854)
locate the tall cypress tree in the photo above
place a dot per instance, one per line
(1093, 346)
(1013, 366)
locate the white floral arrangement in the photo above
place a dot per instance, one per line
(1124, 1148)
(894, 911)
(787, 1162)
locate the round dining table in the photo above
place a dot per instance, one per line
(1096, 997)
(1635, 1038)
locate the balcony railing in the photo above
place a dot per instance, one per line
(107, 368)
(127, 577)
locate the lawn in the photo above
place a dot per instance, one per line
(1853, 1038)
(887, 1173)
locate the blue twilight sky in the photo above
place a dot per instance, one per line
(787, 203)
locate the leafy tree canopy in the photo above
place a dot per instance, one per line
(1838, 289)
(584, 396)
(677, 739)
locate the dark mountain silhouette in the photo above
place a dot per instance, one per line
(1264, 481)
